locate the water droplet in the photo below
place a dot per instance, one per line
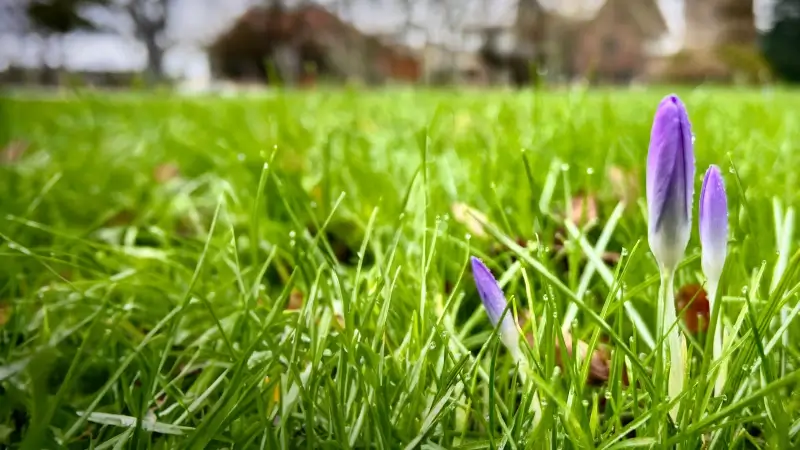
(778, 253)
(401, 216)
(607, 395)
(631, 339)
(240, 156)
(731, 170)
(467, 236)
(266, 165)
(292, 234)
(438, 218)
(292, 243)
(545, 297)
(693, 138)
(585, 403)
(724, 398)
(544, 403)
(564, 167)
(313, 205)
(556, 371)
(555, 315)
(642, 356)
(446, 217)
(623, 252)
(744, 290)
(432, 346)
(574, 323)
(590, 171)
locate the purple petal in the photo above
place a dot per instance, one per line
(670, 180)
(713, 223)
(494, 301)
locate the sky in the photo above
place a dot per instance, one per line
(194, 23)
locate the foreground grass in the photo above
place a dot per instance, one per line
(288, 272)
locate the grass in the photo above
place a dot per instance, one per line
(287, 271)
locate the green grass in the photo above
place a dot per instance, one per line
(139, 313)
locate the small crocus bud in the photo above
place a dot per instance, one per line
(670, 181)
(714, 240)
(713, 224)
(494, 301)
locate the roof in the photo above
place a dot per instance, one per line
(502, 14)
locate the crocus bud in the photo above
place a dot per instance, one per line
(494, 301)
(670, 180)
(713, 224)
(714, 240)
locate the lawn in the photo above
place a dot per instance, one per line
(292, 270)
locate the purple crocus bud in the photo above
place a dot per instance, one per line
(494, 301)
(670, 181)
(713, 224)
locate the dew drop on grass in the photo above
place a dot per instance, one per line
(607, 395)
(432, 346)
(724, 398)
(590, 171)
(642, 356)
(292, 243)
(401, 216)
(564, 167)
(585, 403)
(467, 236)
(313, 205)
(744, 290)
(266, 165)
(732, 170)
(623, 252)
(240, 156)
(292, 234)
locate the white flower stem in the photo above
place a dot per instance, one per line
(722, 373)
(670, 332)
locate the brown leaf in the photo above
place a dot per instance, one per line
(624, 184)
(295, 300)
(5, 313)
(599, 366)
(583, 209)
(697, 315)
(165, 172)
(13, 152)
(471, 218)
(122, 218)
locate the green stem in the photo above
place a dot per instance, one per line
(717, 343)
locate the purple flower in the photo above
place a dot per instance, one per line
(713, 223)
(494, 301)
(670, 181)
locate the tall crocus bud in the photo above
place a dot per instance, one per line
(494, 301)
(714, 240)
(670, 187)
(670, 181)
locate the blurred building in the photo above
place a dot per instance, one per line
(608, 44)
(720, 44)
(304, 44)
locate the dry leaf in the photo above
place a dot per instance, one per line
(13, 152)
(599, 366)
(5, 313)
(697, 315)
(471, 218)
(625, 185)
(165, 172)
(295, 300)
(583, 209)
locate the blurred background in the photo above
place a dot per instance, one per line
(201, 45)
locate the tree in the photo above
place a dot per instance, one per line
(781, 43)
(149, 19)
(55, 18)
